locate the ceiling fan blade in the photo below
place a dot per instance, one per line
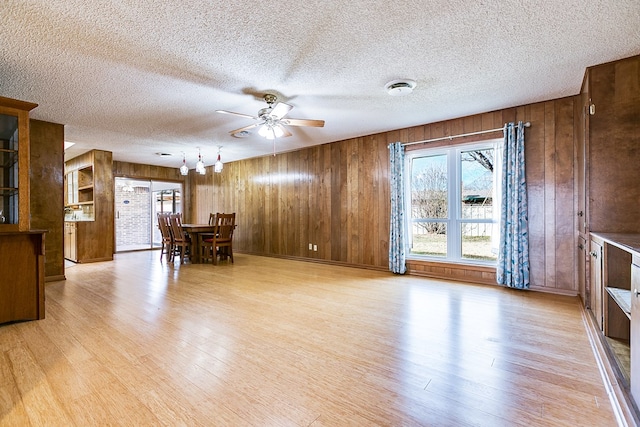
(304, 122)
(245, 128)
(285, 131)
(280, 110)
(236, 114)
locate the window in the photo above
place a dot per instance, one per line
(452, 198)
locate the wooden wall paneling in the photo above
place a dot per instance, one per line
(456, 126)
(47, 192)
(367, 186)
(337, 196)
(262, 220)
(580, 191)
(549, 194)
(297, 201)
(258, 189)
(301, 202)
(289, 167)
(287, 214)
(325, 196)
(283, 218)
(96, 238)
(336, 224)
(204, 198)
(376, 215)
(312, 223)
(565, 214)
(384, 197)
(272, 224)
(104, 206)
(343, 188)
(352, 196)
(614, 141)
(535, 172)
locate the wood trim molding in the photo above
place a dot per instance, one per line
(444, 270)
(315, 260)
(620, 400)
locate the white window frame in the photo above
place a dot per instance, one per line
(454, 219)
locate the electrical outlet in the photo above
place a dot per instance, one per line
(310, 246)
(315, 248)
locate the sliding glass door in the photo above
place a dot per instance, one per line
(136, 204)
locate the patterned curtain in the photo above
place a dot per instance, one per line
(397, 256)
(513, 251)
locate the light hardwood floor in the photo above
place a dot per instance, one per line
(272, 342)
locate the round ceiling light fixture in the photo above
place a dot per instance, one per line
(400, 87)
(241, 134)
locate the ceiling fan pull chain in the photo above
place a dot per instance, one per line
(274, 147)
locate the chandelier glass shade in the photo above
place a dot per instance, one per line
(217, 167)
(184, 170)
(271, 131)
(200, 165)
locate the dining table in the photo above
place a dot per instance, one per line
(196, 231)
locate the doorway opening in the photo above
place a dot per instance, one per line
(137, 203)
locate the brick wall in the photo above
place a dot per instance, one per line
(132, 216)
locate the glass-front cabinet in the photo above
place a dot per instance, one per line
(9, 139)
(14, 164)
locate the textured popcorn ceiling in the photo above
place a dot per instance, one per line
(141, 77)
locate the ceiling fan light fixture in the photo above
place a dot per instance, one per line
(400, 87)
(271, 120)
(278, 130)
(270, 131)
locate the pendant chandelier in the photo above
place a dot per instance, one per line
(200, 165)
(184, 170)
(217, 167)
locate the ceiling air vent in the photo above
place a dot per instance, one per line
(400, 87)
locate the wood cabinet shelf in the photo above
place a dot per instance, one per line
(14, 164)
(622, 297)
(79, 193)
(89, 207)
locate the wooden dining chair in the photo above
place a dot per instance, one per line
(165, 230)
(212, 218)
(220, 243)
(181, 242)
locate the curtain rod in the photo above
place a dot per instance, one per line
(527, 124)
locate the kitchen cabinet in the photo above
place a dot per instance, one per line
(22, 267)
(70, 244)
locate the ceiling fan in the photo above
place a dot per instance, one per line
(271, 120)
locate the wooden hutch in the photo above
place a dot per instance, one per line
(21, 249)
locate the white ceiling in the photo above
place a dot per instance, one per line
(142, 77)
